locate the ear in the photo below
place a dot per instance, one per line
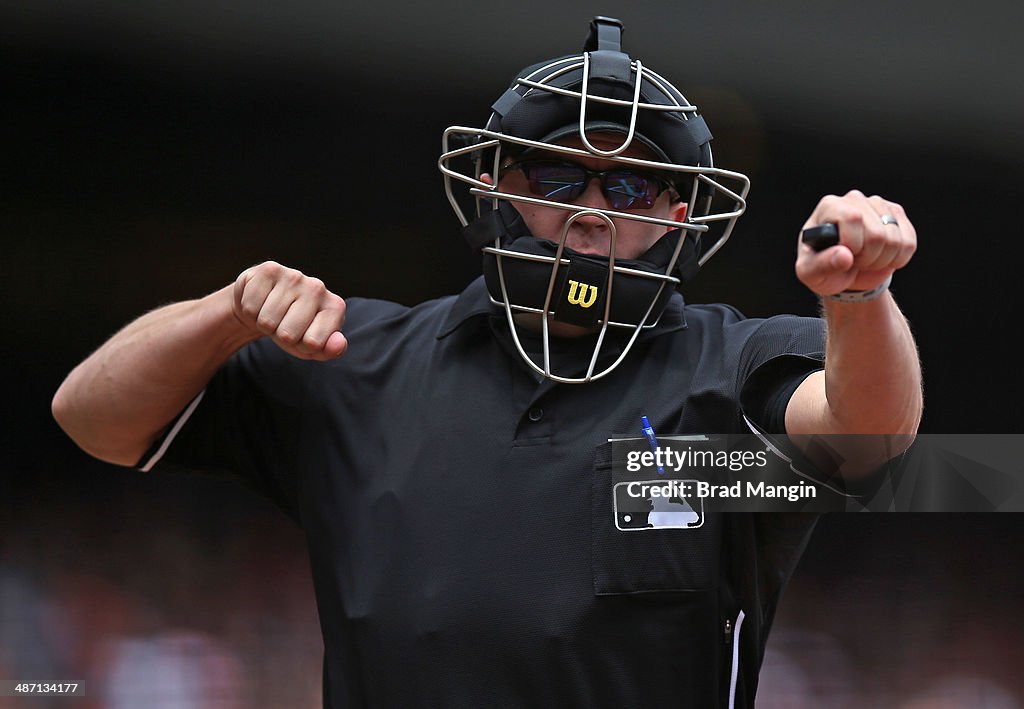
(486, 178)
(677, 211)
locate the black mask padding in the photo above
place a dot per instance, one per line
(527, 281)
(504, 223)
(585, 288)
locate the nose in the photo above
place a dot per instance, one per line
(589, 233)
(593, 198)
(593, 195)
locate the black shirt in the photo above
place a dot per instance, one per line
(458, 509)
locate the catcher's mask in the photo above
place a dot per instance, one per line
(601, 91)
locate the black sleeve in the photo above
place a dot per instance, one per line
(767, 392)
(245, 426)
(776, 358)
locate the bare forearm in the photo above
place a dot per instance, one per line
(871, 385)
(872, 378)
(117, 401)
(872, 370)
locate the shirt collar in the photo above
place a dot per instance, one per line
(472, 303)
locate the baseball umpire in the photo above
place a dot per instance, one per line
(451, 472)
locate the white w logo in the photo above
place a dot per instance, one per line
(585, 298)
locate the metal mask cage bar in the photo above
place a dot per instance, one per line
(557, 261)
(480, 139)
(549, 74)
(681, 105)
(546, 314)
(706, 191)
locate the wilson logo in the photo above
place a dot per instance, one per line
(582, 294)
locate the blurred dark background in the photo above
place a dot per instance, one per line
(152, 151)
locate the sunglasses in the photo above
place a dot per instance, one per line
(566, 181)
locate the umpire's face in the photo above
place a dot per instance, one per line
(589, 234)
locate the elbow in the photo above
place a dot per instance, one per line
(905, 429)
(897, 419)
(62, 410)
(76, 425)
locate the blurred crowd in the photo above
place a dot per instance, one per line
(159, 601)
(151, 599)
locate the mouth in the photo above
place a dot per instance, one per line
(588, 246)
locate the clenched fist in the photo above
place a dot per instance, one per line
(870, 248)
(296, 311)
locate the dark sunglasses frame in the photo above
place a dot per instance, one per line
(617, 199)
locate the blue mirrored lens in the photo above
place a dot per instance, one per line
(565, 182)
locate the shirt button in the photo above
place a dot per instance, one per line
(536, 414)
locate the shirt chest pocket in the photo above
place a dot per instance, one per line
(647, 535)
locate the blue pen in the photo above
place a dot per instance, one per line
(652, 441)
